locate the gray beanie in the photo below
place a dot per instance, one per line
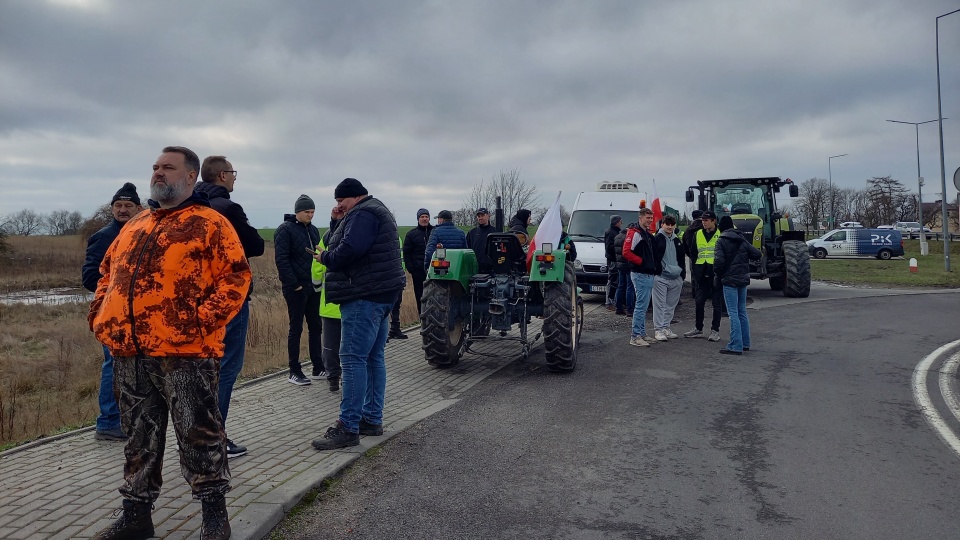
(303, 203)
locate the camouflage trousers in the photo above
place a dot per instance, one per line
(148, 389)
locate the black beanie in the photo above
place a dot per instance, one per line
(303, 203)
(726, 223)
(523, 214)
(350, 187)
(127, 193)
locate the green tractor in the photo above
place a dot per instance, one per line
(462, 307)
(752, 204)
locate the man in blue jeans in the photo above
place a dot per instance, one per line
(218, 178)
(364, 276)
(124, 205)
(638, 252)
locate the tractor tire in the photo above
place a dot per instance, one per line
(442, 334)
(796, 265)
(562, 322)
(776, 283)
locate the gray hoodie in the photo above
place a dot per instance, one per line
(671, 268)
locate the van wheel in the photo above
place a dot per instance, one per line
(884, 254)
(820, 253)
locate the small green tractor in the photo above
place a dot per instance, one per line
(752, 204)
(462, 307)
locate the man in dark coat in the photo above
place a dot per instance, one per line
(690, 245)
(732, 267)
(218, 178)
(124, 205)
(612, 274)
(293, 241)
(414, 247)
(477, 240)
(364, 276)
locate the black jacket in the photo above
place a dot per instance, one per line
(731, 260)
(608, 237)
(618, 244)
(97, 246)
(690, 238)
(220, 201)
(363, 260)
(660, 248)
(293, 261)
(517, 225)
(477, 241)
(414, 246)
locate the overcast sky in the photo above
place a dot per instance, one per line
(422, 100)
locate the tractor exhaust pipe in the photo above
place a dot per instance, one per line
(498, 215)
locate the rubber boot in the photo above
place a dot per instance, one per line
(134, 524)
(215, 525)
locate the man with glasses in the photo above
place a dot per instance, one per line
(706, 241)
(218, 177)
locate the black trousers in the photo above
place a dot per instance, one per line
(304, 304)
(419, 278)
(707, 290)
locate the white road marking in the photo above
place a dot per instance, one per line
(922, 397)
(947, 372)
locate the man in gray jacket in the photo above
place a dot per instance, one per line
(669, 252)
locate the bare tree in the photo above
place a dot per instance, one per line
(887, 197)
(814, 203)
(101, 217)
(4, 243)
(56, 222)
(464, 216)
(514, 192)
(74, 222)
(24, 223)
(541, 211)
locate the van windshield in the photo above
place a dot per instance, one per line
(591, 224)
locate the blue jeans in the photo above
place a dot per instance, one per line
(109, 418)
(234, 345)
(736, 298)
(363, 336)
(626, 297)
(643, 283)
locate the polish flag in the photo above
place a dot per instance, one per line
(549, 230)
(657, 210)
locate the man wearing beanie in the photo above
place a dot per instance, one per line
(364, 276)
(217, 181)
(294, 240)
(414, 246)
(445, 234)
(612, 274)
(124, 205)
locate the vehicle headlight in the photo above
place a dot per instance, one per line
(578, 265)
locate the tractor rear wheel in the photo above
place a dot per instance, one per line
(562, 321)
(442, 327)
(796, 265)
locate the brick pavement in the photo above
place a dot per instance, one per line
(66, 486)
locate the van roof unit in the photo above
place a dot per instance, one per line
(618, 186)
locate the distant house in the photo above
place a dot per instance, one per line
(933, 213)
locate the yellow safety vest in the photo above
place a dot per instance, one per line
(705, 248)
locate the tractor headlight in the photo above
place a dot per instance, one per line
(547, 248)
(441, 253)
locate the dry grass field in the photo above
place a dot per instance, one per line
(50, 362)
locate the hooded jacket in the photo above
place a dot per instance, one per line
(731, 262)
(220, 201)
(618, 244)
(608, 237)
(659, 250)
(293, 261)
(172, 280)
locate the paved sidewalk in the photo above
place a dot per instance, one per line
(66, 486)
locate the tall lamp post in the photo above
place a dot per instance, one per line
(924, 248)
(943, 171)
(831, 219)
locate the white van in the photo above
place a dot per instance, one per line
(589, 219)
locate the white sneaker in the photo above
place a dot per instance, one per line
(650, 339)
(670, 334)
(714, 336)
(660, 335)
(638, 341)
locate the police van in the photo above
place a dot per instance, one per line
(860, 242)
(589, 219)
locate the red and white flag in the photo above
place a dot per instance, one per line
(549, 230)
(657, 210)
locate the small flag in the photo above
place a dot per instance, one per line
(549, 230)
(657, 210)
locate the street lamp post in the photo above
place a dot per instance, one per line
(943, 171)
(831, 219)
(924, 248)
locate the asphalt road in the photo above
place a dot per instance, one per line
(815, 433)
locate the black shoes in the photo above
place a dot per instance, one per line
(216, 525)
(366, 428)
(134, 524)
(115, 434)
(396, 334)
(336, 437)
(728, 351)
(334, 384)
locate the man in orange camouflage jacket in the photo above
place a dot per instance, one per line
(172, 280)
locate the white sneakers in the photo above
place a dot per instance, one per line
(714, 336)
(660, 335)
(670, 334)
(638, 341)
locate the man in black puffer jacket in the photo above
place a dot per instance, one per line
(611, 254)
(293, 240)
(414, 247)
(731, 265)
(626, 295)
(364, 276)
(218, 178)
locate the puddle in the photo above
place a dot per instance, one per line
(50, 297)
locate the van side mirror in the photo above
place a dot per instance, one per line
(794, 190)
(701, 201)
(689, 195)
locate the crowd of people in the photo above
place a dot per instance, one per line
(172, 285)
